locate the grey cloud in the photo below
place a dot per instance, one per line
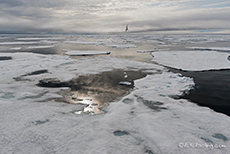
(10, 3)
(27, 3)
(187, 20)
(106, 16)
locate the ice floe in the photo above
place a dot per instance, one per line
(61, 67)
(126, 83)
(122, 46)
(85, 43)
(199, 39)
(84, 53)
(144, 51)
(16, 48)
(168, 84)
(193, 60)
(40, 47)
(17, 43)
(224, 49)
(154, 50)
(179, 122)
(23, 63)
(39, 38)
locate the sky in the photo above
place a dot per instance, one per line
(111, 16)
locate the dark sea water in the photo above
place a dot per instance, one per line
(212, 89)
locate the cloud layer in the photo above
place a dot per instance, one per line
(94, 16)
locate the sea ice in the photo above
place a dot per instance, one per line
(224, 49)
(39, 38)
(84, 53)
(40, 47)
(154, 50)
(144, 51)
(16, 48)
(17, 43)
(85, 43)
(122, 46)
(179, 122)
(23, 63)
(32, 121)
(125, 83)
(193, 60)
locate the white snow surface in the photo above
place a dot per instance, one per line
(193, 60)
(61, 67)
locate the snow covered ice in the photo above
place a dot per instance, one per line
(84, 53)
(122, 46)
(193, 60)
(224, 49)
(85, 42)
(17, 43)
(148, 119)
(39, 47)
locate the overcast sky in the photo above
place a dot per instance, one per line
(95, 16)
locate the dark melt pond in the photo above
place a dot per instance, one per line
(96, 88)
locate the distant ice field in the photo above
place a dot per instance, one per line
(223, 49)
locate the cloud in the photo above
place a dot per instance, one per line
(218, 4)
(108, 15)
